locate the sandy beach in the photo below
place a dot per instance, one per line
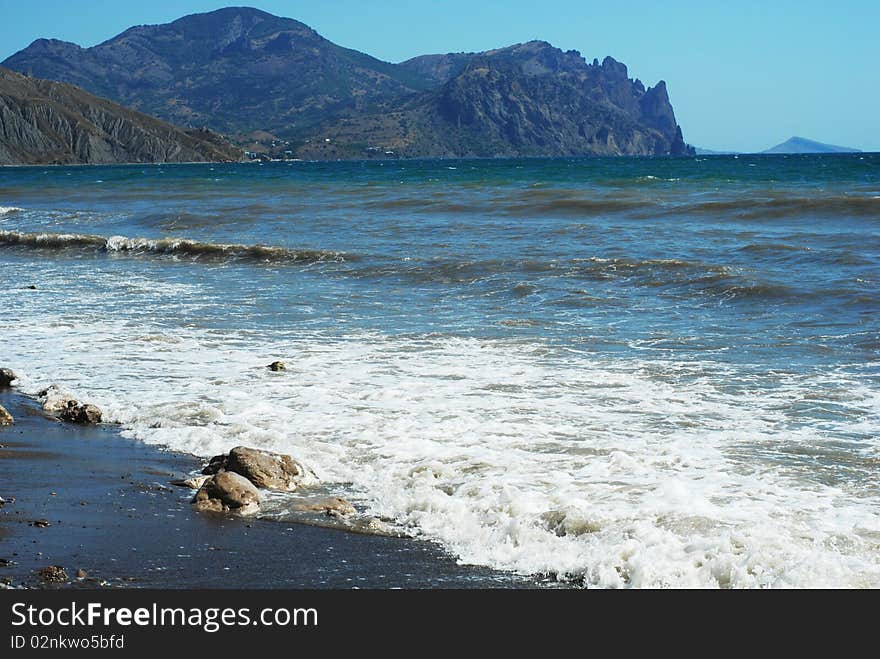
(86, 498)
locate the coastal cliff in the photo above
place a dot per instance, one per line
(45, 122)
(526, 100)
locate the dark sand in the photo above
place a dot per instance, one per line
(113, 513)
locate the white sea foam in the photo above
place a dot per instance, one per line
(4, 210)
(614, 472)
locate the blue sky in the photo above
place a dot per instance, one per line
(742, 75)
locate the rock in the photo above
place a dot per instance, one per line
(53, 574)
(272, 471)
(376, 526)
(54, 400)
(228, 492)
(81, 574)
(42, 523)
(277, 366)
(77, 412)
(67, 408)
(330, 506)
(5, 417)
(215, 464)
(7, 377)
(193, 483)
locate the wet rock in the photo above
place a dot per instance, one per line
(228, 492)
(54, 400)
(7, 377)
(215, 464)
(53, 574)
(67, 408)
(330, 506)
(41, 523)
(277, 366)
(273, 471)
(81, 574)
(5, 417)
(77, 412)
(376, 526)
(193, 483)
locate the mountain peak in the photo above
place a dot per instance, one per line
(250, 15)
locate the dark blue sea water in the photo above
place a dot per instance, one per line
(625, 372)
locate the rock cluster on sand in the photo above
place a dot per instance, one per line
(67, 408)
(224, 489)
(5, 417)
(53, 574)
(7, 376)
(228, 492)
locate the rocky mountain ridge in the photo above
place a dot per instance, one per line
(274, 84)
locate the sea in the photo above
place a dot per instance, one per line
(623, 373)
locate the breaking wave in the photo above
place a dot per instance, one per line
(175, 247)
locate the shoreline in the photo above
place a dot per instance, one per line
(86, 498)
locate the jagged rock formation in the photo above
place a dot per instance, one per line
(44, 122)
(526, 100)
(274, 80)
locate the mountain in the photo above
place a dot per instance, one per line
(803, 145)
(44, 122)
(236, 69)
(525, 100)
(275, 84)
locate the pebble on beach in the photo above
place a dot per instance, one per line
(7, 377)
(5, 417)
(53, 574)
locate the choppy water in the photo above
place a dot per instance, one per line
(627, 372)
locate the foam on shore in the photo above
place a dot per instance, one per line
(609, 473)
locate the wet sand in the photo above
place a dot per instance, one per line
(113, 513)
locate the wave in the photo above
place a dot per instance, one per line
(175, 247)
(605, 472)
(4, 210)
(677, 276)
(567, 202)
(771, 248)
(781, 207)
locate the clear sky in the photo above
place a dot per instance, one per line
(742, 74)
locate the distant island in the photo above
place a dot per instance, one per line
(280, 90)
(792, 145)
(803, 145)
